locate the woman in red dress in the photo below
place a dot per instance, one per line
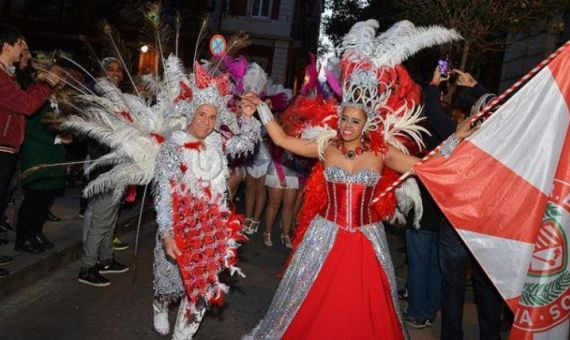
(340, 283)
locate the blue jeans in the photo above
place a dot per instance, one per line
(454, 257)
(424, 274)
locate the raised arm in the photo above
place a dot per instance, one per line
(301, 147)
(399, 161)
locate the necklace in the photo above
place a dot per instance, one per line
(351, 154)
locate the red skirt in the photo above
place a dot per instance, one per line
(350, 298)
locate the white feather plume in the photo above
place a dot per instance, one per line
(404, 39)
(255, 79)
(359, 41)
(409, 197)
(133, 146)
(174, 73)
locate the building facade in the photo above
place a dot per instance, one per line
(282, 32)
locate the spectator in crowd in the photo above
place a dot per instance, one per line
(102, 213)
(15, 104)
(454, 256)
(43, 144)
(424, 284)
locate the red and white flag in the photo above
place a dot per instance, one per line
(506, 190)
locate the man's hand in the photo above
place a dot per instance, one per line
(170, 247)
(436, 79)
(465, 130)
(464, 79)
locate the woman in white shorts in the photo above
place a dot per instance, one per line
(282, 183)
(255, 193)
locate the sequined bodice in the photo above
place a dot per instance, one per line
(349, 197)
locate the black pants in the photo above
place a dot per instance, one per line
(33, 213)
(453, 260)
(8, 163)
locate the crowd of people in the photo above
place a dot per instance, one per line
(238, 129)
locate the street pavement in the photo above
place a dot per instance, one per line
(58, 307)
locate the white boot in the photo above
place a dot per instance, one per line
(184, 328)
(160, 318)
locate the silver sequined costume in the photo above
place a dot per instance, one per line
(205, 167)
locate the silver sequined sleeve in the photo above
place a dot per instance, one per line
(244, 141)
(167, 169)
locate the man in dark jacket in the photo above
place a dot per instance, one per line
(15, 104)
(454, 255)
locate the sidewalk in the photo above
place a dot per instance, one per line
(26, 269)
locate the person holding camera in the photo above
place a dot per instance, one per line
(453, 254)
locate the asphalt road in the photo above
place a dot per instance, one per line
(58, 307)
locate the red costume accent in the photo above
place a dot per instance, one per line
(362, 306)
(205, 232)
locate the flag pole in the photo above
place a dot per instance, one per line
(481, 113)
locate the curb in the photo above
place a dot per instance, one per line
(33, 272)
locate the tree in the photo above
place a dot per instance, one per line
(482, 23)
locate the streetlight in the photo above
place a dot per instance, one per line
(145, 48)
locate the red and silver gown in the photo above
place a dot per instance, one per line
(340, 283)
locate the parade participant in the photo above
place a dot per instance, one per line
(282, 184)
(193, 218)
(251, 77)
(173, 142)
(340, 282)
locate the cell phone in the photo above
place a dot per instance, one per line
(443, 67)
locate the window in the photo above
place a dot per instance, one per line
(260, 8)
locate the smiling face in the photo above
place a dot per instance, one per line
(203, 122)
(351, 123)
(115, 73)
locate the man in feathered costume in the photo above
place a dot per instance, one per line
(195, 225)
(177, 144)
(340, 282)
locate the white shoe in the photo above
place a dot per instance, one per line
(185, 330)
(160, 320)
(286, 241)
(267, 239)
